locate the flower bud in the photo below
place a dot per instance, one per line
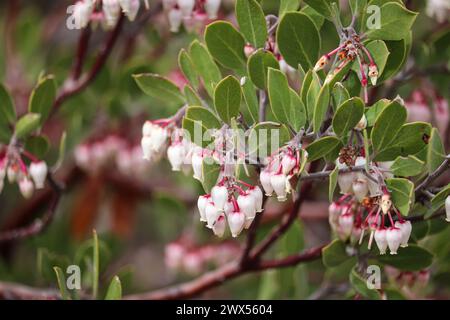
(248, 50)
(175, 19)
(212, 8)
(38, 172)
(406, 228)
(258, 196)
(360, 189)
(323, 61)
(287, 69)
(278, 182)
(211, 214)
(447, 209)
(201, 204)
(264, 177)
(288, 163)
(26, 187)
(186, 7)
(130, 8)
(394, 238)
(247, 205)
(176, 153)
(197, 164)
(373, 73)
(362, 124)
(236, 221)
(346, 224)
(219, 226)
(386, 203)
(219, 195)
(381, 240)
(13, 173)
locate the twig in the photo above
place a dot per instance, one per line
(425, 183)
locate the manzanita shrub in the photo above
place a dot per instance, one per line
(273, 104)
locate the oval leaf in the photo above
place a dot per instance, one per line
(252, 22)
(227, 98)
(347, 116)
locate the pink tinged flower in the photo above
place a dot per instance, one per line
(345, 180)
(13, 173)
(321, 63)
(197, 165)
(82, 156)
(381, 240)
(248, 50)
(211, 214)
(219, 226)
(346, 224)
(447, 209)
(360, 189)
(264, 177)
(169, 4)
(147, 149)
(236, 221)
(258, 196)
(287, 69)
(38, 172)
(418, 112)
(334, 211)
(219, 195)
(111, 9)
(247, 204)
(228, 208)
(186, 7)
(26, 187)
(386, 203)
(82, 13)
(130, 8)
(288, 163)
(193, 263)
(175, 18)
(394, 239)
(406, 228)
(201, 204)
(278, 182)
(212, 8)
(362, 123)
(356, 234)
(176, 154)
(173, 255)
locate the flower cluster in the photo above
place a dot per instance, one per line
(349, 50)
(232, 201)
(280, 169)
(14, 167)
(186, 257)
(106, 12)
(193, 14)
(408, 279)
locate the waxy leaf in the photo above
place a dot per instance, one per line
(61, 280)
(332, 183)
(298, 112)
(192, 98)
(399, 51)
(298, 40)
(42, 97)
(27, 124)
(252, 22)
(402, 193)
(195, 132)
(321, 147)
(411, 258)
(7, 110)
(438, 201)
(321, 107)
(407, 166)
(279, 95)
(374, 111)
(251, 101)
(227, 98)
(203, 115)
(226, 45)
(347, 116)
(339, 94)
(210, 174)
(359, 283)
(159, 87)
(38, 146)
(187, 68)
(114, 290)
(258, 67)
(436, 151)
(322, 6)
(266, 138)
(335, 254)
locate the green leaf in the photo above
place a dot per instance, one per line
(61, 150)
(203, 115)
(332, 183)
(357, 6)
(298, 112)
(335, 254)
(227, 98)
(205, 66)
(114, 290)
(288, 5)
(258, 67)
(411, 258)
(312, 94)
(396, 21)
(251, 101)
(187, 68)
(196, 132)
(387, 125)
(315, 16)
(159, 87)
(210, 173)
(61, 279)
(192, 98)
(27, 124)
(402, 193)
(7, 110)
(339, 94)
(322, 6)
(305, 86)
(321, 147)
(95, 265)
(298, 40)
(399, 51)
(252, 22)
(436, 151)
(360, 285)
(38, 146)
(267, 137)
(407, 166)
(374, 111)
(279, 95)
(226, 45)
(347, 116)
(379, 52)
(438, 201)
(321, 107)
(42, 97)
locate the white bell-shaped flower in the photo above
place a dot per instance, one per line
(406, 228)
(447, 209)
(111, 9)
(12, 173)
(381, 240)
(264, 177)
(82, 11)
(228, 208)
(38, 172)
(288, 163)
(212, 8)
(147, 147)
(211, 214)
(130, 8)
(176, 155)
(175, 18)
(247, 204)
(360, 189)
(346, 224)
(258, 196)
(219, 195)
(197, 165)
(394, 239)
(345, 180)
(201, 204)
(236, 221)
(278, 182)
(334, 211)
(26, 187)
(186, 7)
(219, 226)
(362, 124)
